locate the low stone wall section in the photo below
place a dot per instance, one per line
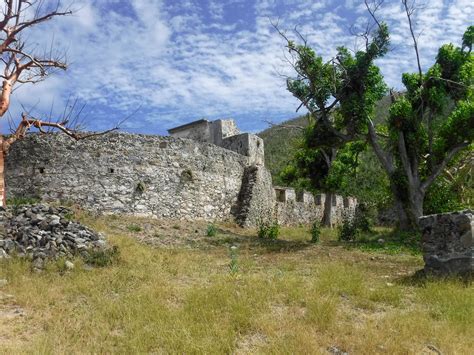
(293, 208)
(447, 242)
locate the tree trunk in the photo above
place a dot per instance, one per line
(5, 96)
(2, 174)
(415, 207)
(326, 221)
(403, 220)
(408, 211)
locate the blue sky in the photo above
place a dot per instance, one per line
(163, 63)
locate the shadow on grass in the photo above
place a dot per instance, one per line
(386, 241)
(228, 238)
(420, 278)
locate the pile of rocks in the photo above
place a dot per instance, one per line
(41, 232)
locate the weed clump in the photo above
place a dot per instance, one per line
(211, 230)
(21, 201)
(134, 228)
(268, 230)
(347, 231)
(315, 231)
(102, 258)
(234, 262)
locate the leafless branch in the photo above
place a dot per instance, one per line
(372, 9)
(409, 10)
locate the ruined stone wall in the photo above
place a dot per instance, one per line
(256, 200)
(163, 177)
(246, 144)
(199, 131)
(124, 173)
(292, 208)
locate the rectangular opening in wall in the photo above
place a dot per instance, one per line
(346, 202)
(163, 144)
(111, 170)
(41, 170)
(299, 196)
(318, 199)
(280, 195)
(334, 200)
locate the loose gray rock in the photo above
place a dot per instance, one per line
(3, 254)
(69, 265)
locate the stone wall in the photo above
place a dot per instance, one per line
(256, 201)
(293, 208)
(163, 177)
(199, 131)
(124, 173)
(246, 144)
(447, 241)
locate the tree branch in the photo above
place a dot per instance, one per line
(440, 167)
(383, 157)
(415, 44)
(27, 123)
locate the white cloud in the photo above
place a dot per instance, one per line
(178, 66)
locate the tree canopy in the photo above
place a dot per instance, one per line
(428, 125)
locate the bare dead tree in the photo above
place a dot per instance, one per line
(23, 63)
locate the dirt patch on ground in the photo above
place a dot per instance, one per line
(194, 235)
(12, 316)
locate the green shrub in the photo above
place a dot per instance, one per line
(268, 230)
(211, 230)
(362, 218)
(141, 187)
(102, 258)
(347, 231)
(315, 232)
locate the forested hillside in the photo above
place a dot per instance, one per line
(280, 143)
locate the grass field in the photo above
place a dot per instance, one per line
(284, 296)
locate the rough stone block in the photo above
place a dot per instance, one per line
(305, 197)
(447, 241)
(290, 195)
(246, 144)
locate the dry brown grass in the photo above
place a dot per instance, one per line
(288, 296)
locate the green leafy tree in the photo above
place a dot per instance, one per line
(322, 169)
(339, 95)
(428, 125)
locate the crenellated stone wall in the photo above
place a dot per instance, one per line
(293, 208)
(163, 177)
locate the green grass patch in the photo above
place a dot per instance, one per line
(181, 300)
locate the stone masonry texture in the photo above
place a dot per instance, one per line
(447, 241)
(161, 177)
